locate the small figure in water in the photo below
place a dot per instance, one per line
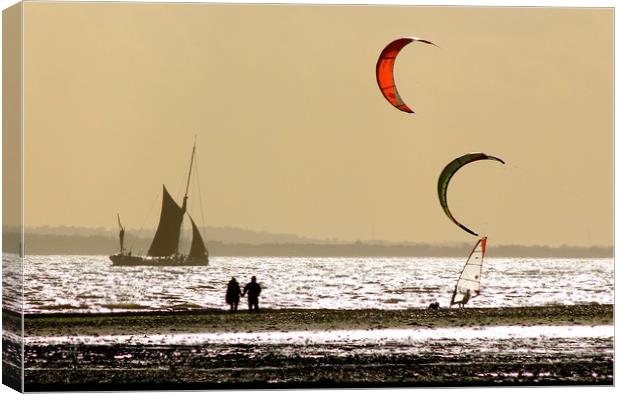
(233, 291)
(253, 290)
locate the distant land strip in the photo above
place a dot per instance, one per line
(53, 244)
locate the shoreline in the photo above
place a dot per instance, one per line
(284, 320)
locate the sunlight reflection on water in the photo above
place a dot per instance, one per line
(339, 337)
(92, 284)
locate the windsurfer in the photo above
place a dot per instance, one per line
(461, 303)
(465, 298)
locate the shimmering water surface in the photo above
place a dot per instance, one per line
(387, 337)
(92, 284)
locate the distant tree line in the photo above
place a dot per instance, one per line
(56, 244)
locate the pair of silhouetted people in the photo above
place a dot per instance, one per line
(233, 294)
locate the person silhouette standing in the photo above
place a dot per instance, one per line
(466, 298)
(253, 290)
(233, 291)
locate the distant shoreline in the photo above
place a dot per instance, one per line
(55, 244)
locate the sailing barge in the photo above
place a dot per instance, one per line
(164, 249)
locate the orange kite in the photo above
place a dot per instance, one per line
(385, 71)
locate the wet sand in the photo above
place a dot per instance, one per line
(136, 323)
(437, 362)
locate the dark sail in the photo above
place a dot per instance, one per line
(166, 240)
(198, 248)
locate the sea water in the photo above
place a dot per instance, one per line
(90, 284)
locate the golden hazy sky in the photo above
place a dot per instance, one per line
(293, 133)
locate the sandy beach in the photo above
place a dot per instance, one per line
(210, 320)
(453, 351)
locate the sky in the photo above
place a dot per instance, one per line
(293, 135)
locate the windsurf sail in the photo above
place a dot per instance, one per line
(469, 280)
